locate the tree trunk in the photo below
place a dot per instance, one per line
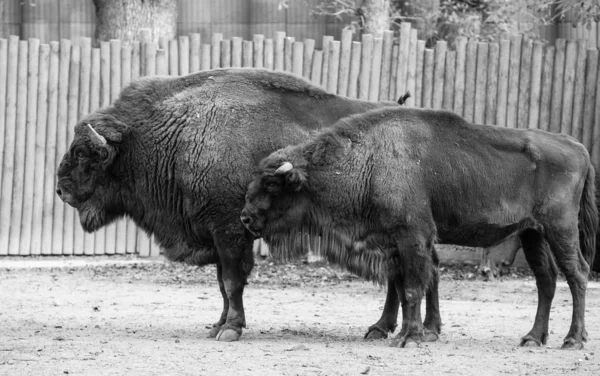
(117, 19)
(376, 16)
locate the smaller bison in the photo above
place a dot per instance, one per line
(380, 188)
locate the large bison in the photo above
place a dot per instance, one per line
(381, 188)
(176, 155)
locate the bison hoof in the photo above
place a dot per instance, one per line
(214, 331)
(404, 342)
(530, 341)
(572, 344)
(375, 333)
(430, 336)
(228, 335)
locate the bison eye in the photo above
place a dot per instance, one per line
(272, 185)
(81, 152)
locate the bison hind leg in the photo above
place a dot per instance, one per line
(539, 257)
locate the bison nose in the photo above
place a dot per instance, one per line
(246, 220)
(59, 192)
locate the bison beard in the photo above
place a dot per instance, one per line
(176, 154)
(377, 189)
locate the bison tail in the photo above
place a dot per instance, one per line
(588, 218)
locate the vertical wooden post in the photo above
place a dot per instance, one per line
(536, 81)
(449, 78)
(71, 215)
(163, 44)
(225, 53)
(503, 66)
(215, 61)
(125, 66)
(309, 49)
(470, 80)
(596, 132)
(438, 74)
(513, 82)
(325, 69)
(297, 57)
(334, 64)
(345, 51)
(491, 98)
(566, 125)
(317, 63)
(206, 58)
(259, 45)
(579, 89)
(145, 38)
(287, 53)
(411, 75)
(428, 63)
(27, 223)
(278, 56)
(386, 64)
(236, 52)
(459, 78)
(115, 69)
(135, 59)
(419, 75)
(365, 66)
(402, 67)
(375, 69)
(173, 56)
(184, 55)
(247, 54)
(354, 69)
(162, 65)
(269, 54)
(546, 92)
(590, 99)
(480, 83)
(524, 84)
(195, 46)
(39, 172)
(557, 86)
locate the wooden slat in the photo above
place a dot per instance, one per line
(50, 202)
(85, 76)
(39, 171)
(438, 73)
(418, 96)
(259, 47)
(215, 61)
(317, 63)
(590, 98)
(596, 132)
(115, 69)
(491, 96)
(354, 69)
(334, 65)
(411, 75)
(28, 218)
(98, 239)
(566, 125)
(184, 55)
(173, 56)
(402, 67)
(71, 215)
(393, 73)
(3, 79)
(579, 90)
(162, 64)
(536, 82)
(205, 56)
(297, 58)
(195, 52)
(428, 63)
(459, 78)
(309, 49)
(236, 52)
(375, 69)
(524, 84)
(163, 44)
(63, 234)
(125, 66)
(150, 59)
(546, 91)
(327, 39)
(247, 51)
(225, 53)
(449, 78)
(386, 65)
(557, 86)
(145, 35)
(503, 74)
(287, 53)
(105, 73)
(345, 54)
(470, 80)
(480, 83)
(269, 54)
(365, 66)
(135, 59)
(512, 102)
(279, 43)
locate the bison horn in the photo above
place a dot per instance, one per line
(96, 136)
(287, 166)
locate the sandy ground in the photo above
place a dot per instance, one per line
(94, 317)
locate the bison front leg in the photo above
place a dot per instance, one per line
(236, 263)
(216, 328)
(415, 274)
(389, 317)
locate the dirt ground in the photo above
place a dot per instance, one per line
(126, 316)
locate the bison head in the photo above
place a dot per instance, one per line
(276, 199)
(85, 174)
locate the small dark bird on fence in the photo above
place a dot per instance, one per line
(403, 98)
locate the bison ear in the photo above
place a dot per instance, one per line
(295, 179)
(107, 151)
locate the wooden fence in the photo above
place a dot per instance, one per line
(46, 88)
